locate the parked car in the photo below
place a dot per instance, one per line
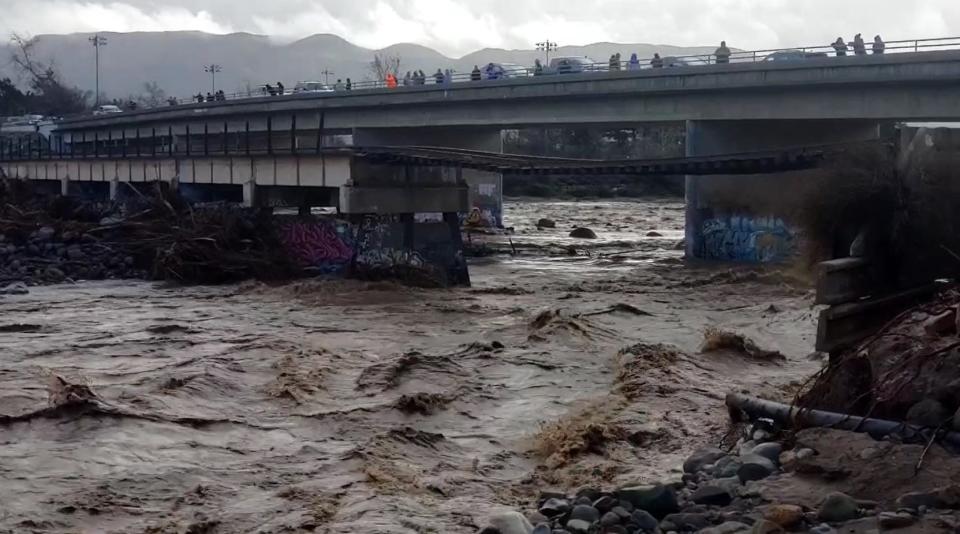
(107, 109)
(574, 65)
(793, 55)
(312, 87)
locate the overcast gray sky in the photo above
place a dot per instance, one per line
(456, 27)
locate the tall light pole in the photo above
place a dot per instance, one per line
(546, 47)
(213, 69)
(97, 41)
(326, 76)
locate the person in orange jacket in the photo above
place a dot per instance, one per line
(391, 81)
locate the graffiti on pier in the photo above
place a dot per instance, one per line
(320, 244)
(747, 238)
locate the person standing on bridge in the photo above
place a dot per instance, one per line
(879, 47)
(840, 47)
(475, 75)
(722, 54)
(634, 63)
(656, 62)
(614, 64)
(859, 47)
(349, 85)
(391, 81)
(339, 85)
(448, 77)
(438, 77)
(537, 67)
(280, 89)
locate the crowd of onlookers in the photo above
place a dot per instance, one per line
(493, 71)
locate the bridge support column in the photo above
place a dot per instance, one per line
(250, 193)
(485, 189)
(753, 218)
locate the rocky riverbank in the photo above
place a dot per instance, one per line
(817, 480)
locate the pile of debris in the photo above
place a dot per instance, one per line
(158, 237)
(908, 371)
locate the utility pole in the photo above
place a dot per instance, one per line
(546, 47)
(326, 75)
(97, 41)
(213, 69)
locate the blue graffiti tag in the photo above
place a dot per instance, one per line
(747, 238)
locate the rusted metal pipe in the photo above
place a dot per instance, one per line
(792, 416)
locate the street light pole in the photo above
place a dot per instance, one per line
(97, 41)
(326, 76)
(213, 69)
(546, 47)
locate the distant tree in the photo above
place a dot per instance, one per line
(48, 96)
(384, 64)
(152, 96)
(13, 101)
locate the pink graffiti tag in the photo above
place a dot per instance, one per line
(315, 244)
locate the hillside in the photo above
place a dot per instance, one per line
(175, 60)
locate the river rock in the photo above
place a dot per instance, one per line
(54, 274)
(728, 527)
(927, 413)
(711, 495)
(947, 498)
(765, 527)
(578, 526)
(654, 234)
(543, 528)
(822, 529)
(644, 520)
(609, 519)
(553, 507)
(605, 504)
(585, 513)
(75, 253)
(838, 507)
(771, 451)
(16, 288)
(659, 500)
(546, 223)
(726, 467)
(755, 468)
(785, 515)
(702, 457)
(45, 233)
(535, 518)
(687, 521)
(893, 521)
(583, 233)
(510, 523)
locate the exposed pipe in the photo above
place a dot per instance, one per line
(793, 416)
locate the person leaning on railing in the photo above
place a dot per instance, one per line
(722, 54)
(840, 47)
(878, 46)
(656, 62)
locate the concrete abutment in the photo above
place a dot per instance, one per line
(755, 218)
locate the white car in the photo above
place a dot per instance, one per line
(312, 87)
(106, 109)
(574, 65)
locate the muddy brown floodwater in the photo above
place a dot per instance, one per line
(344, 406)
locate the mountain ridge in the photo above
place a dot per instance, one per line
(132, 59)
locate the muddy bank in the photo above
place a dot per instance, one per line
(347, 406)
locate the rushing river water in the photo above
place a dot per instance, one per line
(343, 406)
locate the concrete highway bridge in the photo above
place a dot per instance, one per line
(436, 148)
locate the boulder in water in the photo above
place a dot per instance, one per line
(546, 223)
(583, 233)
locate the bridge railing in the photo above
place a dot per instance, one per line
(486, 74)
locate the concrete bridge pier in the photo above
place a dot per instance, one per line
(754, 218)
(485, 189)
(407, 222)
